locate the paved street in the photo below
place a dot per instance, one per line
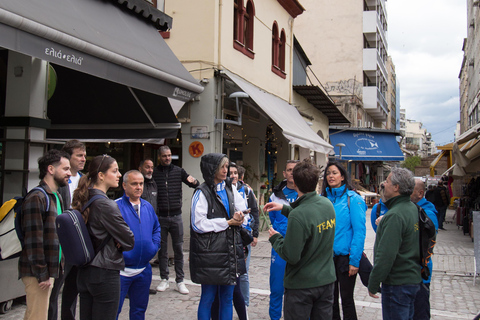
(453, 295)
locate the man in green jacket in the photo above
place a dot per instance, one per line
(307, 248)
(397, 252)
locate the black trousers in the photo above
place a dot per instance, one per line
(312, 303)
(53, 302)
(344, 287)
(99, 293)
(422, 303)
(69, 293)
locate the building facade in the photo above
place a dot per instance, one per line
(242, 51)
(350, 61)
(469, 77)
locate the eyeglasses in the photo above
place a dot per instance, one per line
(105, 155)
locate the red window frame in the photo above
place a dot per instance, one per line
(243, 18)
(278, 51)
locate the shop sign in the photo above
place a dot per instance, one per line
(196, 149)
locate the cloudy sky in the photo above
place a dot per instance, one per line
(425, 41)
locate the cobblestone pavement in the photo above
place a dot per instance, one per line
(453, 295)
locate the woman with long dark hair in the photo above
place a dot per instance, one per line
(350, 234)
(99, 282)
(216, 248)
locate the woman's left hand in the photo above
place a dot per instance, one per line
(352, 270)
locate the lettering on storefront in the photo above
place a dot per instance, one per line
(178, 92)
(51, 52)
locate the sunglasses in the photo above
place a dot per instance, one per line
(103, 158)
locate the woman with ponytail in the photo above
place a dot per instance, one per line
(99, 282)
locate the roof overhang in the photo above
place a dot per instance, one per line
(320, 100)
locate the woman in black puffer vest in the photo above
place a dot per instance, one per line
(216, 248)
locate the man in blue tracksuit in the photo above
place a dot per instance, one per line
(140, 216)
(422, 299)
(284, 193)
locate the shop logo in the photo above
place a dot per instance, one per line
(365, 142)
(62, 56)
(177, 92)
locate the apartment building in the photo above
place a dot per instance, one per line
(347, 44)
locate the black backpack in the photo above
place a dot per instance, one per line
(428, 236)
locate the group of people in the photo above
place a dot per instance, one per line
(317, 240)
(126, 233)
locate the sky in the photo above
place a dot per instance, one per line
(425, 41)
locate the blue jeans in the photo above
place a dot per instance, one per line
(277, 272)
(225, 296)
(244, 282)
(398, 301)
(138, 290)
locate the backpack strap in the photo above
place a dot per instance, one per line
(95, 197)
(46, 196)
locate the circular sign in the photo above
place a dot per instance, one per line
(196, 149)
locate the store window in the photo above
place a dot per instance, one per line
(243, 19)
(278, 51)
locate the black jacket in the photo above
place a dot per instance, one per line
(278, 190)
(105, 218)
(169, 183)
(216, 258)
(150, 191)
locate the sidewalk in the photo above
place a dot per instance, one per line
(453, 295)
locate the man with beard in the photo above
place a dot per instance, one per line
(169, 179)
(68, 278)
(39, 262)
(149, 187)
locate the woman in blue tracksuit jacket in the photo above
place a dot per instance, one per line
(137, 277)
(350, 233)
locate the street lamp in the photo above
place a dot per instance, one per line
(340, 145)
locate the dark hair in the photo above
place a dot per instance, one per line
(343, 172)
(51, 157)
(291, 161)
(306, 175)
(241, 171)
(70, 145)
(143, 161)
(80, 195)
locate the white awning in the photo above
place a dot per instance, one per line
(286, 116)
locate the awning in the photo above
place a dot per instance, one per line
(97, 37)
(286, 116)
(469, 134)
(322, 102)
(366, 146)
(88, 108)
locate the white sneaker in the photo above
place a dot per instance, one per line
(182, 288)
(163, 285)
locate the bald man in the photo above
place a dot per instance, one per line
(422, 299)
